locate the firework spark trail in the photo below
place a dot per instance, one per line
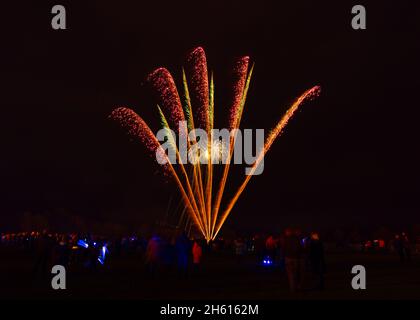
(199, 86)
(137, 128)
(161, 80)
(200, 190)
(196, 178)
(209, 184)
(192, 195)
(193, 214)
(240, 90)
(239, 76)
(188, 109)
(184, 173)
(200, 100)
(278, 129)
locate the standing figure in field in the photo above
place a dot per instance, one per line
(259, 247)
(197, 253)
(61, 252)
(182, 247)
(292, 252)
(240, 249)
(317, 260)
(271, 247)
(406, 245)
(43, 253)
(399, 247)
(153, 253)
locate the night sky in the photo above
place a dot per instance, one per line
(351, 156)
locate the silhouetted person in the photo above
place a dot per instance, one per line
(317, 260)
(240, 249)
(93, 253)
(270, 247)
(292, 251)
(182, 247)
(152, 256)
(168, 254)
(259, 247)
(61, 252)
(43, 248)
(304, 262)
(406, 246)
(398, 245)
(197, 253)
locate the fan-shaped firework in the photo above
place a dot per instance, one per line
(195, 182)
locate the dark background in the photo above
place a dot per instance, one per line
(350, 157)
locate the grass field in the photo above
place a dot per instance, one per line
(221, 277)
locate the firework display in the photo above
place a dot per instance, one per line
(201, 192)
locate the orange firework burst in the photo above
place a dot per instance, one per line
(196, 181)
